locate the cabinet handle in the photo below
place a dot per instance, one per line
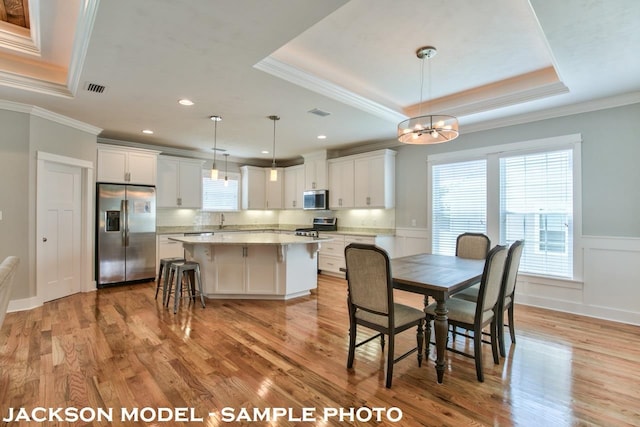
(179, 201)
(127, 176)
(294, 203)
(368, 200)
(340, 202)
(313, 185)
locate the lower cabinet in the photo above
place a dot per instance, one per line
(168, 248)
(246, 269)
(331, 255)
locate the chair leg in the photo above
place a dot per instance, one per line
(167, 285)
(420, 338)
(352, 343)
(512, 327)
(382, 341)
(494, 340)
(199, 279)
(177, 294)
(477, 353)
(500, 331)
(390, 359)
(158, 281)
(427, 336)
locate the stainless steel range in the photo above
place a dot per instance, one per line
(321, 223)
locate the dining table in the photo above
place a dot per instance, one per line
(439, 277)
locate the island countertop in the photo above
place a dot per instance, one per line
(240, 238)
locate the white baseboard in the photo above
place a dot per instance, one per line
(24, 304)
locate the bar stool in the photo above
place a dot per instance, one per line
(164, 267)
(177, 272)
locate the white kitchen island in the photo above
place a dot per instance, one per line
(255, 265)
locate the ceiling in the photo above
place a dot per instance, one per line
(499, 62)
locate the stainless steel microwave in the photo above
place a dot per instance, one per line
(315, 199)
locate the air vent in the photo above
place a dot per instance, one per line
(94, 87)
(319, 112)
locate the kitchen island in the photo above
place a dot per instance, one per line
(255, 265)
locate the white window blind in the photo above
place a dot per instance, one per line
(216, 196)
(459, 196)
(536, 204)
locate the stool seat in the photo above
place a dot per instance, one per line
(178, 271)
(164, 262)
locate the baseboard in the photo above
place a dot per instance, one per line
(24, 304)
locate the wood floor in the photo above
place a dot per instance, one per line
(119, 348)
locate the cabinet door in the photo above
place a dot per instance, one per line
(142, 168)
(230, 269)
(167, 188)
(261, 269)
(315, 172)
(293, 187)
(369, 182)
(112, 166)
(253, 188)
(341, 184)
(273, 189)
(190, 184)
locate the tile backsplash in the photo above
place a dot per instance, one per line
(348, 218)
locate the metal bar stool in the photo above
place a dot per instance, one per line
(164, 267)
(177, 271)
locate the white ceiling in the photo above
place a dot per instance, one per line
(499, 62)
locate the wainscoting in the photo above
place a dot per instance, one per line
(610, 288)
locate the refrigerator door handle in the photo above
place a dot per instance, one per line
(125, 228)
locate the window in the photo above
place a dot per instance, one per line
(220, 195)
(459, 203)
(510, 192)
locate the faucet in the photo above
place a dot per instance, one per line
(221, 221)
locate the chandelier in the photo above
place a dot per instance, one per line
(431, 128)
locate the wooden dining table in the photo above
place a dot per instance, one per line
(439, 277)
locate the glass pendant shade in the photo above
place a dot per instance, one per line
(214, 172)
(430, 129)
(273, 176)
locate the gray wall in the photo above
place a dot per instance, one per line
(610, 172)
(23, 135)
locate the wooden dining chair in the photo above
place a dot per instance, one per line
(474, 316)
(472, 245)
(371, 304)
(507, 293)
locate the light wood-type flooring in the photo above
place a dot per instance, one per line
(119, 348)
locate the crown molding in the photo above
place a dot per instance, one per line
(86, 20)
(49, 115)
(324, 87)
(34, 85)
(552, 113)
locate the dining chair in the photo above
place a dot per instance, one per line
(507, 293)
(472, 245)
(474, 316)
(371, 304)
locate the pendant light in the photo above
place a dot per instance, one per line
(273, 176)
(214, 171)
(431, 128)
(226, 178)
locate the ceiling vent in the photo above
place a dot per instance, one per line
(94, 87)
(319, 112)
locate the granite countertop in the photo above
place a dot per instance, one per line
(249, 238)
(271, 227)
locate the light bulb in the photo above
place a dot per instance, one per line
(214, 173)
(274, 175)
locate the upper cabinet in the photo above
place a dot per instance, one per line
(341, 182)
(293, 187)
(179, 182)
(274, 197)
(315, 171)
(126, 165)
(253, 187)
(363, 180)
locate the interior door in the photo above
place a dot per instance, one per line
(59, 230)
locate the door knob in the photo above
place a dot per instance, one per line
(44, 239)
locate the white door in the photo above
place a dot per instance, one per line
(59, 230)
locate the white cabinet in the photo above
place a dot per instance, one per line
(293, 187)
(341, 182)
(274, 197)
(179, 183)
(253, 188)
(126, 165)
(374, 180)
(331, 256)
(246, 269)
(169, 248)
(315, 171)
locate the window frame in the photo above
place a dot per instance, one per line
(492, 154)
(233, 176)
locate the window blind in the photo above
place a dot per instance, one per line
(536, 204)
(459, 196)
(216, 196)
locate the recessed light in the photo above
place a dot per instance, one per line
(147, 131)
(185, 101)
(264, 152)
(322, 136)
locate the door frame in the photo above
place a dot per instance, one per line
(87, 284)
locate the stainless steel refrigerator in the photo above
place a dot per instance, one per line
(126, 233)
